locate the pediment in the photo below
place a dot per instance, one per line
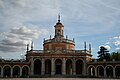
(58, 52)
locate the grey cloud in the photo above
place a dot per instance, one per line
(17, 38)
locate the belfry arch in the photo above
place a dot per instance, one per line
(100, 71)
(48, 66)
(0, 70)
(109, 71)
(58, 66)
(69, 67)
(91, 70)
(117, 71)
(25, 71)
(37, 67)
(6, 71)
(79, 67)
(16, 71)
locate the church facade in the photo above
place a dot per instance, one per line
(59, 58)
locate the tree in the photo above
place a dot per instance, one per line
(103, 54)
(115, 55)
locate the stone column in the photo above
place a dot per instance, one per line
(74, 67)
(84, 68)
(43, 67)
(114, 73)
(95, 71)
(1, 72)
(63, 67)
(11, 72)
(53, 67)
(20, 71)
(32, 67)
(105, 72)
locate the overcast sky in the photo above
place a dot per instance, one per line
(94, 21)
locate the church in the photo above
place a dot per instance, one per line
(59, 58)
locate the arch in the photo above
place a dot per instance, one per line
(109, 70)
(7, 71)
(117, 71)
(0, 70)
(25, 70)
(69, 67)
(48, 66)
(91, 70)
(100, 71)
(58, 66)
(79, 66)
(37, 67)
(16, 71)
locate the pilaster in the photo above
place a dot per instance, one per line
(63, 67)
(53, 67)
(32, 67)
(74, 67)
(11, 72)
(43, 66)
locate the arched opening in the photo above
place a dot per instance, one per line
(25, 71)
(58, 66)
(37, 67)
(100, 71)
(16, 71)
(48, 66)
(0, 71)
(109, 71)
(6, 71)
(69, 67)
(91, 71)
(117, 71)
(79, 67)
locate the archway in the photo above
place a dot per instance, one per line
(117, 71)
(58, 66)
(48, 66)
(69, 67)
(109, 71)
(0, 71)
(16, 71)
(100, 71)
(25, 71)
(37, 67)
(79, 67)
(91, 71)
(6, 71)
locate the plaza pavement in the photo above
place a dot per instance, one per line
(56, 79)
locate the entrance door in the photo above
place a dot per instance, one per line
(58, 66)
(58, 69)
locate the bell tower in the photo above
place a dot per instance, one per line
(59, 28)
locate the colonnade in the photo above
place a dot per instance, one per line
(57, 66)
(15, 71)
(101, 71)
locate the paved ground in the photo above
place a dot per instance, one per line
(55, 79)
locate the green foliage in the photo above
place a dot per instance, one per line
(115, 55)
(103, 54)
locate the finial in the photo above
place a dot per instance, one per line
(27, 47)
(32, 45)
(44, 39)
(66, 37)
(90, 48)
(73, 39)
(85, 45)
(58, 18)
(50, 36)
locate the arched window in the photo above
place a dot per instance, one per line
(69, 67)
(79, 67)
(37, 67)
(48, 66)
